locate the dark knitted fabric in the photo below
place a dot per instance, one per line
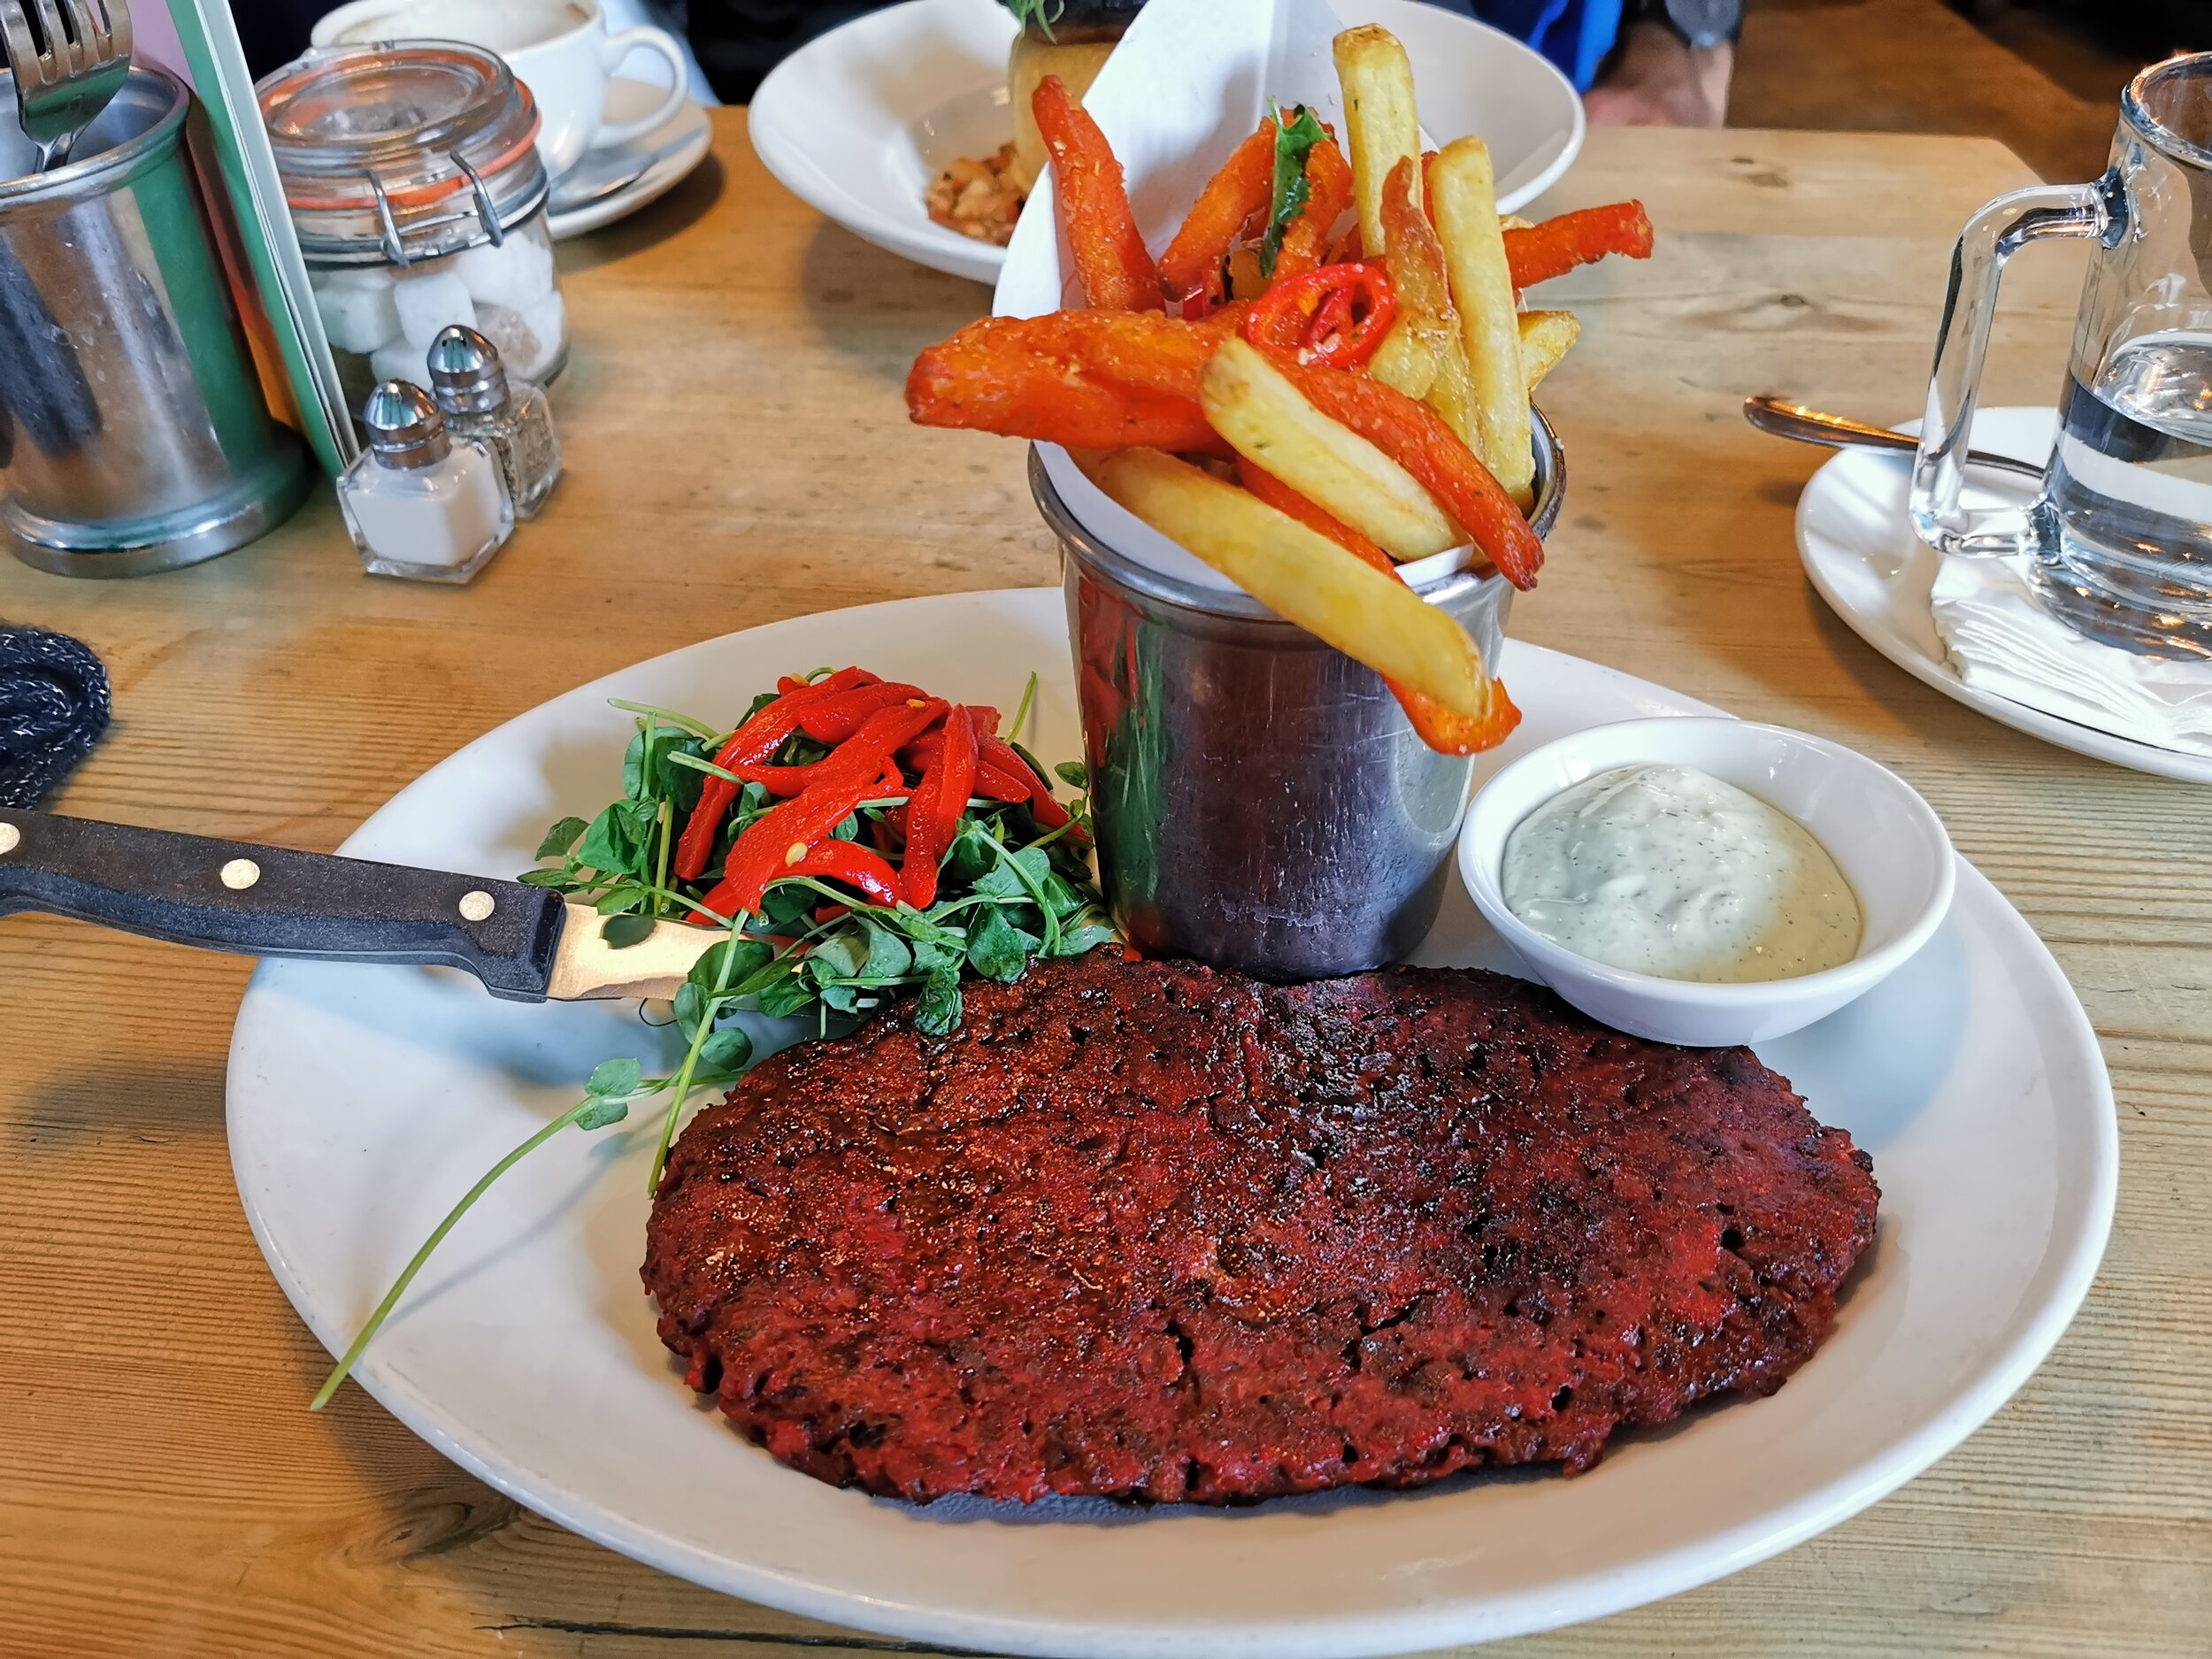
(53, 708)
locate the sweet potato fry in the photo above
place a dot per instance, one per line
(1376, 77)
(1466, 209)
(1110, 259)
(1190, 270)
(1438, 726)
(1544, 337)
(1301, 575)
(1252, 403)
(1151, 353)
(1558, 245)
(1416, 438)
(1425, 358)
(1328, 193)
(1025, 377)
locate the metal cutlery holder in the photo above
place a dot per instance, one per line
(133, 434)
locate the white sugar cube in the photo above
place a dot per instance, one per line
(507, 332)
(512, 275)
(547, 319)
(357, 319)
(428, 303)
(402, 360)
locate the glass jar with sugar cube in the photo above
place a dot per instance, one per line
(413, 179)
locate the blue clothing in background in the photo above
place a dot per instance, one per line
(1576, 35)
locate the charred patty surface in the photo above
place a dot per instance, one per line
(1148, 1231)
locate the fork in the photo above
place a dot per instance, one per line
(66, 69)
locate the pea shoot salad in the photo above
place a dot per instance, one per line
(855, 839)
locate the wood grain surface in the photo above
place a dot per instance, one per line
(738, 452)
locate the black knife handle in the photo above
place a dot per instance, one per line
(272, 901)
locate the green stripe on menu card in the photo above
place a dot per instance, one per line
(206, 52)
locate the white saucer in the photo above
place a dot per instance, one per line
(1863, 559)
(668, 154)
(856, 123)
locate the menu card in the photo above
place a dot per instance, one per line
(202, 46)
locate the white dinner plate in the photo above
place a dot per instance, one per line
(613, 181)
(364, 1099)
(856, 123)
(1857, 544)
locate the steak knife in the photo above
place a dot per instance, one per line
(525, 944)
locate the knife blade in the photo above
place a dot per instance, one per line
(524, 943)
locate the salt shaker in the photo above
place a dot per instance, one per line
(511, 417)
(418, 503)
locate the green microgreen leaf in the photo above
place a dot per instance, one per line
(599, 1112)
(998, 949)
(1043, 13)
(1073, 773)
(614, 1077)
(622, 932)
(561, 837)
(937, 1010)
(728, 1048)
(1295, 138)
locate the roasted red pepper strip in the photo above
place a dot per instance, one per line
(835, 718)
(855, 865)
(1111, 257)
(1002, 764)
(1415, 436)
(1334, 317)
(781, 837)
(1442, 729)
(1190, 270)
(751, 744)
(1558, 245)
(934, 811)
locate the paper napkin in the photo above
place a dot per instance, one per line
(2002, 641)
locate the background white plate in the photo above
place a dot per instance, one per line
(1857, 544)
(363, 1100)
(856, 123)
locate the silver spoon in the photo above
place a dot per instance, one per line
(1787, 420)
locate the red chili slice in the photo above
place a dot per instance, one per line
(1334, 317)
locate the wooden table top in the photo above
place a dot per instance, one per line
(738, 452)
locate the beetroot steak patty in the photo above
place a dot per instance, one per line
(1145, 1230)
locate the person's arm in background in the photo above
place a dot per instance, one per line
(1672, 66)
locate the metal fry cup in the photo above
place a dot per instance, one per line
(1261, 802)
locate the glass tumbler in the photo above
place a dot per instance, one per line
(2118, 543)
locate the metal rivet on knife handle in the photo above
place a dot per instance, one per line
(10, 838)
(241, 873)
(476, 906)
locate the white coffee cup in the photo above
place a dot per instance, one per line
(561, 50)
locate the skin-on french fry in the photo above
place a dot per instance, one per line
(1443, 731)
(1544, 337)
(1430, 362)
(1301, 575)
(1191, 267)
(1252, 403)
(1111, 257)
(1466, 211)
(1384, 129)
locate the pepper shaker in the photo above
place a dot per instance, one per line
(418, 503)
(512, 418)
